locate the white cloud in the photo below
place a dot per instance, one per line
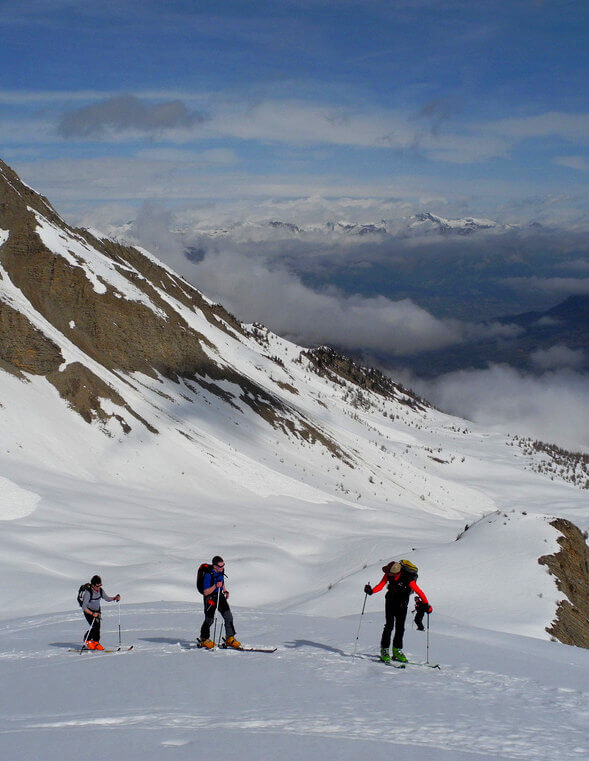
(127, 113)
(553, 407)
(279, 299)
(556, 357)
(572, 127)
(213, 157)
(573, 162)
(259, 290)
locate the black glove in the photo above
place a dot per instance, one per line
(368, 589)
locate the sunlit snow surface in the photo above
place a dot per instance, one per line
(496, 696)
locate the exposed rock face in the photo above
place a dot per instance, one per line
(88, 314)
(340, 368)
(570, 567)
(23, 347)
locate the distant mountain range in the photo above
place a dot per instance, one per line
(422, 224)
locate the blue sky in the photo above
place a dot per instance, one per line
(185, 113)
(476, 106)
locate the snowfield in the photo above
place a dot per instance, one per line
(496, 696)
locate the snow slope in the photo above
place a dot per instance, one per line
(496, 696)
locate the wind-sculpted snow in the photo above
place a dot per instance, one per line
(16, 502)
(496, 696)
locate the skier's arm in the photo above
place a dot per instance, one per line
(107, 598)
(209, 590)
(380, 584)
(420, 594)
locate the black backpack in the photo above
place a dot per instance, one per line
(200, 576)
(84, 588)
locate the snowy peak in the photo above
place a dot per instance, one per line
(428, 222)
(340, 230)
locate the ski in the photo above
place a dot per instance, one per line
(239, 649)
(392, 664)
(375, 658)
(87, 650)
(251, 649)
(427, 665)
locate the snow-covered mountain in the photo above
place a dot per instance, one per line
(425, 222)
(205, 227)
(142, 428)
(421, 224)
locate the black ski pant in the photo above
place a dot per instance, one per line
(395, 610)
(210, 604)
(93, 632)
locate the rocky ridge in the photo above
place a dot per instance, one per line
(88, 314)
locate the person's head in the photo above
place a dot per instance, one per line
(218, 562)
(395, 569)
(96, 581)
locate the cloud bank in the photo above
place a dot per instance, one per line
(124, 113)
(260, 289)
(552, 407)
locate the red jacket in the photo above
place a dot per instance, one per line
(412, 585)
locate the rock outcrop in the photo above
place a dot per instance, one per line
(570, 567)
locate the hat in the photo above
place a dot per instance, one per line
(95, 580)
(394, 569)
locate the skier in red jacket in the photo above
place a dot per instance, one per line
(401, 578)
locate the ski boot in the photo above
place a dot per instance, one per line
(232, 642)
(90, 644)
(399, 655)
(206, 643)
(385, 656)
(98, 646)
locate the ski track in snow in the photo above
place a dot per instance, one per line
(168, 695)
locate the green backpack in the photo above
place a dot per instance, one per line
(406, 565)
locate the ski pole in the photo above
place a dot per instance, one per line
(119, 607)
(216, 609)
(360, 623)
(87, 638)
(427, 641)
